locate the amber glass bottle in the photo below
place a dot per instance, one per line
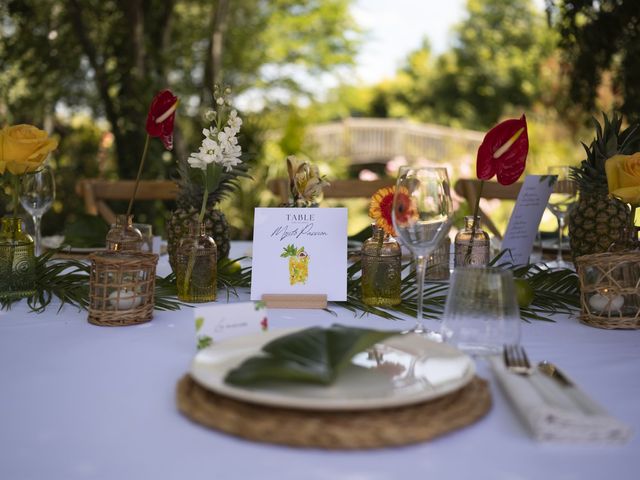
(17, 260)
(381, 269)
(197, 273)
(123, 236)
(471, 248)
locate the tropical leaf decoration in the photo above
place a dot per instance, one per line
(68, 280)
(553, 292)
(313, 355)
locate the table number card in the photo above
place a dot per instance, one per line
(217, 322)
(298, 251)
(525, 218)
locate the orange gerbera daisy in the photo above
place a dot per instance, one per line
(381, 207)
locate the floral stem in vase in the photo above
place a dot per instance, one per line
(140, 167)
(476, 209)
(15, 185)
(192, 255)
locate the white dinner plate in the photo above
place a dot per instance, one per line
(403, 369)
(57, 241)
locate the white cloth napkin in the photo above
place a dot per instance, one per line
(554, 412)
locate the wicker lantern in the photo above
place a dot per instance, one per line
(121, 288)
(610, 289)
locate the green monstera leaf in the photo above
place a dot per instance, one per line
(314, 355)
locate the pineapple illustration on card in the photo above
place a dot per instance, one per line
(298, 264)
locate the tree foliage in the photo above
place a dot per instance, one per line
(600, 37)
(494, 66)
(110, 56)
(495, 62)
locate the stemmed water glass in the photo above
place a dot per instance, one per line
(563, 197)
(37, 192)
(421, 216)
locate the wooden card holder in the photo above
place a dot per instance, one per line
(275, 300)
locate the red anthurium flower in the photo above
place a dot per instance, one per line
(504, 151)
(161, 115)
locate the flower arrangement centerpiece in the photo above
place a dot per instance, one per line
(305, 183)
(122, 279)
(503, 154)
(623, 180)
(212, 172)
(160, 121)
(23, 149)
(207, 177)
(604, 238)
(381, 256)
(602, 214)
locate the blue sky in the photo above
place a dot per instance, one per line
(396, 27)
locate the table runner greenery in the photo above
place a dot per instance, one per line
(553, 292)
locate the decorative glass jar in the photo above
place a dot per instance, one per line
(123, 236)
(381, 269)
(196, 258)
(17, 261)
(438, 261)
(471, 247)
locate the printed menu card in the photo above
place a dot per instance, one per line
(300, 251)
(525, 218)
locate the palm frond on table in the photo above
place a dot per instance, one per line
(434, 296)
(555, 291)
(68, 280)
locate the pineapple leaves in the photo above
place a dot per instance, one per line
(291, 251)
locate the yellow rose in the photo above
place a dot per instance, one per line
(23, 148)
(623, 177)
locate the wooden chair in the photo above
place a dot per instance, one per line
(338, 189)
(96, 193)
(469, 189)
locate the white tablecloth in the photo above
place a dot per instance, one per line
(79, 401)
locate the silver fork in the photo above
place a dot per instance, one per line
(516, 360)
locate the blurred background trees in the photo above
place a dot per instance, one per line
(87, 70)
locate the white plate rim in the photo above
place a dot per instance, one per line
(269, 398)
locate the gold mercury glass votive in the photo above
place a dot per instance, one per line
(121, 288)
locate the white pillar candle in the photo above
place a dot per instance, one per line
(606, 302)
(124, 299)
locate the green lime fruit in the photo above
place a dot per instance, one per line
(230, 268)
(524, 292)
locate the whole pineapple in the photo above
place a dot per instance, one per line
(598, 219)
(189, 202)
(218, 165)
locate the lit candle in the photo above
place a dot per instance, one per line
(124, 299)
(606, 302)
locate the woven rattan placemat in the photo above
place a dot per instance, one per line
(335, 430)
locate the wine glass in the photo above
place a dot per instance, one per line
(563, 197)
(37, 192)
(422, 217)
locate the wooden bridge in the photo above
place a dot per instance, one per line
(377, 140)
